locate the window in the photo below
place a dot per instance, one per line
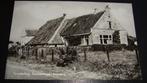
(87, 39)
(104, 39)
(105, 36)
(109, 24)
(100, 36)
(109, 37)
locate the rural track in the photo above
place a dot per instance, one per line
(16, 70)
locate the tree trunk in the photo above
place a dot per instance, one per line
(137, 56)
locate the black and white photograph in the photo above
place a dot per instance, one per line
(73, 40)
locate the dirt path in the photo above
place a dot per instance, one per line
(16, 70)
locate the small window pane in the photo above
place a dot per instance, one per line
(109, 36)
(105, 36)
(105, 41)
(100, 36)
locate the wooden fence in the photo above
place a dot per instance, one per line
(43, 52)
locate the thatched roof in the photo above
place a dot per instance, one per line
(81, 24)
(30, 32)
(46, 31)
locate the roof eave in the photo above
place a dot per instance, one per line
(77, 34)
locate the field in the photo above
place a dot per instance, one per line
(122, 66)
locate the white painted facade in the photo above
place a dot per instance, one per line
(102, 32)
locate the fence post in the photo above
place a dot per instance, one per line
(85, 56)
(28, 52)
(52, 54)
(137, 56)
(36, 53)
(107, 52)
(24, 52)
(42, 53)
(67, 50)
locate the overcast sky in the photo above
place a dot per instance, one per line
(33, 14)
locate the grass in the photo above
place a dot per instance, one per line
(122, 66)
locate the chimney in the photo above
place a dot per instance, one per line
(64, 14)
(95, 11)
(107, 8)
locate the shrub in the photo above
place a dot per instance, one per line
(107, 47)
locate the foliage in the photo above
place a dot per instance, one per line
(116, 71)
(67, 56)
(12, 51)
(18, 43)
(131, 45)
(116, 37)
(107, 47)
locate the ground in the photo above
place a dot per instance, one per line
(22, 70)
(122, 65)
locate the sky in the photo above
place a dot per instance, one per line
(33, 14)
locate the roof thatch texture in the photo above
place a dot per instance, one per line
(46, 31)
(30, 32)
(81, 24)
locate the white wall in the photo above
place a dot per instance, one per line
(123, 37)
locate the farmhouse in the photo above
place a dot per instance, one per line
(96, 28)
(99, 28)
(91, 29)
